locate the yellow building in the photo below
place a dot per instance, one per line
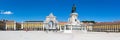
(32, 25)
(10, 25)
(61, 25)
(107, 27)
(89, 26)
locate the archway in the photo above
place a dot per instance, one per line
(51, 23)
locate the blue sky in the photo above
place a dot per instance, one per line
(97, 10)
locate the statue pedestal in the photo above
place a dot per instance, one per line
(67, 31)
(84, 31)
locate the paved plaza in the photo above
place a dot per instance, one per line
(41, 35)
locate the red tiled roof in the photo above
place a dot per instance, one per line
(62, 22)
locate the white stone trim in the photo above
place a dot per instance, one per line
(14, 25)
(43, 27)
(6, 26)
(21, 25)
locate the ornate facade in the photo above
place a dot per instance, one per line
(51, 23)
(10, 25)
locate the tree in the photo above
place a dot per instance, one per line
(88, 21)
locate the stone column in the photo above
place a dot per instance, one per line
(43, 27)
(85, 28)
(5, 26)
(64, 27)
(60, 28)
(71, 27)
(14, 25)
(22, 25)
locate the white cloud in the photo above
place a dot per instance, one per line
(7, 12)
